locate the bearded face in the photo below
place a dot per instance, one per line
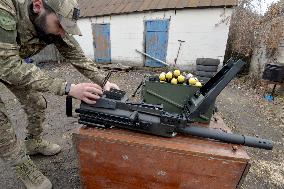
(47, 26)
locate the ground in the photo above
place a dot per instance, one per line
(242, 109)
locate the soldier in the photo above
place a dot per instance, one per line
(26, 27)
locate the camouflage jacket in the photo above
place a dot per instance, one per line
(18, 40)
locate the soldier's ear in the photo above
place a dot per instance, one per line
(37, 6)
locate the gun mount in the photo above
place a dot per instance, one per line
(115, 110)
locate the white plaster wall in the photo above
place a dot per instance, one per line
(126, 35)
(204, 37)
(86, 40)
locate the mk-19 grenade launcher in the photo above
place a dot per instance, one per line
(114, 110)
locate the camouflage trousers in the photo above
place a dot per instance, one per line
(34, 104)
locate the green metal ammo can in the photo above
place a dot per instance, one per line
(173, 97)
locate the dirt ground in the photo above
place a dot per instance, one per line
(243, 110)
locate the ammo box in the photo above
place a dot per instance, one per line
(173, 97)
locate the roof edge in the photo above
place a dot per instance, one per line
(164, 9)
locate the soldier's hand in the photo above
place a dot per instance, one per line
(87, 92)
(109, 86)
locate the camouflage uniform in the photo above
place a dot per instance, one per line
(18, 40)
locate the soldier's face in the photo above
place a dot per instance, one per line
(48, 24)
(53, 25)
(46, 21)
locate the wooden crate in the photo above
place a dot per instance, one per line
(120, 159)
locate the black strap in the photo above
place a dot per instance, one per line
(69, 108)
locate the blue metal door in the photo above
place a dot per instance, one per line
(101, 41)
(156, 41)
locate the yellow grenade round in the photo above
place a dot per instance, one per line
(174, 81)
(196, 79)
(162, 76)
(177, 73)
(198, 84)
(192, 81)
(169, 76)
(181, 79)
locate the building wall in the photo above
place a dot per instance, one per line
(202, 29)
